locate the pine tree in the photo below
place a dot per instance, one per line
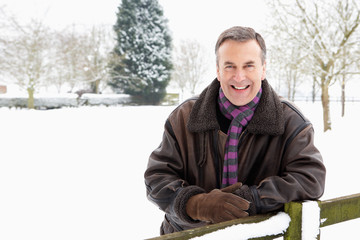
(143, 51)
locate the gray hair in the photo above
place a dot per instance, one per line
(241, 34)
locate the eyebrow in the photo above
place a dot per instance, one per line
(231, 63)
(250, 62)
(228, 63)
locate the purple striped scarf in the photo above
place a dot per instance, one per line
(240, 117)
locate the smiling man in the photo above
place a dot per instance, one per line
(236, 150)
(240, 70)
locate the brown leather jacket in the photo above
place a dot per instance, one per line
(277, 157)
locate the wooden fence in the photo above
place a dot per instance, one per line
(331, 212)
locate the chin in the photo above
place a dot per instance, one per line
(240, 104)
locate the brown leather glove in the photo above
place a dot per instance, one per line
(216, 206)
(245, 193)
(232, 188)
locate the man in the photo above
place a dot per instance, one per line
(236, 150)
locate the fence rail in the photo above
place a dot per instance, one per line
(332, 211)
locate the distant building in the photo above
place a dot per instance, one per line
(3, 89)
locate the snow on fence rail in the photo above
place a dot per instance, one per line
(304, 221)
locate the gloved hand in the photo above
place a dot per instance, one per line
(216, 206)
(244, 192)
(232, 188)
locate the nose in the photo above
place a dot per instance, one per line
(239, 75)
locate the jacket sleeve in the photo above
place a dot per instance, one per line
(164, 179)
(302, 176)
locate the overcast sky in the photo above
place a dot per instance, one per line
(203, 20)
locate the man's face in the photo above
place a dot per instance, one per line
(240, 70)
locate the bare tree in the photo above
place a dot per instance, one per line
(327, 28)
(98, 46)
(82, 57)
(25, 51)
(190, 65)
(3, 27)
(350, 52)
(286, 63)
(33, 56)
(69, 58)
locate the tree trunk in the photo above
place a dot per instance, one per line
(343, 96)
(31, 91)
(293, 90)
(95, 86)
(288, 83)
(314, 90)
(326, 105)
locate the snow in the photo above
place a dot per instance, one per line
(310, 220)
(77, 173)
(273, 226)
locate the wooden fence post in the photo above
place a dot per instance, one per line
(294, 210)
(340, 209)
(331, 212)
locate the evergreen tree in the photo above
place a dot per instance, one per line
(143, 51)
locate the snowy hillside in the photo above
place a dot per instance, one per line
(77, 173)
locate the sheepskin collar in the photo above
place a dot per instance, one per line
(268, 118)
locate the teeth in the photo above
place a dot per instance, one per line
(240, 88)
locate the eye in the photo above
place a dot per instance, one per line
(229, 68)
(249, 67)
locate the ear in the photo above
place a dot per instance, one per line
(218, 72)
(263, 74)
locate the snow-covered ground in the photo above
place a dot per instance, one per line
(77, 173)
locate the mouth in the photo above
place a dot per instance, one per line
(240, 88)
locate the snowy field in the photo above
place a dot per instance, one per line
(77, 173)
